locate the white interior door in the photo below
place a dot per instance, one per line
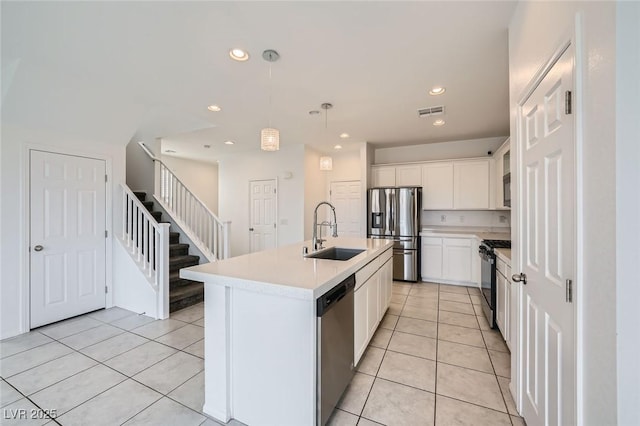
(263, 209)
(67, 236)
(547, 248)
(345, 197)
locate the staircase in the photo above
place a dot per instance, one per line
(182, 292)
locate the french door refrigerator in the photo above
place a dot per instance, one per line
(394, 213)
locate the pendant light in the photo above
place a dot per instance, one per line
(326, 163)
(270, 137)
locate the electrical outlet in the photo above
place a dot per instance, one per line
(443, 218)
(503, 219)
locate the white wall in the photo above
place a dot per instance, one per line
(438, 151)
(234, 174)
(14, 226)
(200, 177)
(315, 190)
(140, 167)
(537, 29)
(500, 221)
(628, 210)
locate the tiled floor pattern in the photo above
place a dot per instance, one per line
(109, 367)
(432, 360)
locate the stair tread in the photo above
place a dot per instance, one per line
(183, 258)
(178, 245)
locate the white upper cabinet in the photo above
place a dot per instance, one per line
(437, 186)
(410, 175)
(383, 176)
(501, 158)
(471, 184)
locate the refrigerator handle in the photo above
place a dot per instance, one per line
(392, 212)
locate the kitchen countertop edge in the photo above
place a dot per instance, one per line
(325, 274)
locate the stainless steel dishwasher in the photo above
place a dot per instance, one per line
(335, 367)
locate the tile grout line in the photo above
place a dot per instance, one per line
(105, 365)
(383, 357)
(435, 384)
(30, 400)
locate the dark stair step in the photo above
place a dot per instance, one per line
(156, 216)
(187, 295)
(178, 249)
(179, 262)
(176, 282)
(148, 205)
(142, 196)
(174, 237)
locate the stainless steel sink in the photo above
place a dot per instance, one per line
(335, 253)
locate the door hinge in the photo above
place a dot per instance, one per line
(274, 190)
(106, 178)
(106, 289)
(274, 225)
(106, 234)
(567, 102)
(569, 291)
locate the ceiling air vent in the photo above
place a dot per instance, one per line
(426, 112)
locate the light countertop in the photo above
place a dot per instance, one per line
(504, 254)
(285, 271)
(478, 232)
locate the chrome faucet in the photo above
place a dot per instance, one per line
(317, 242)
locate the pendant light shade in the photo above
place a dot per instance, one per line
(326, 163)
(270, 139)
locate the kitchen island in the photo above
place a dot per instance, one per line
(260, 328)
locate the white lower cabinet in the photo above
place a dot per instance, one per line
(456, 259)
(449, 260)
(503, 300)
(371, 300)
(431, 259)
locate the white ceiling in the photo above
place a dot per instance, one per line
(113, 71)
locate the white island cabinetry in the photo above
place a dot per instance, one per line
(371, 300)
(261, 326)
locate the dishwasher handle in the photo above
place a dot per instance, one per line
(333, 296)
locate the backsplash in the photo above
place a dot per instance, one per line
(475, 218)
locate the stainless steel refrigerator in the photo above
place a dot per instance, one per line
(394, 213)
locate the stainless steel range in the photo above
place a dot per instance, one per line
(488, 282)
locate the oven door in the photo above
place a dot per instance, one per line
(488, 284)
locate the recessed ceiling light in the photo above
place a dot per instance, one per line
(238, 55)
(437, 90)
(169, 151)
(337, 147)
(344, 135)
(207, 146)
(214, 108)
(229, 142)
(439, 122)
(314, 112)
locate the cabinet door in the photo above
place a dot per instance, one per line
(498, 179)
(360, 332)
(431, 258)
(384, 176)
(507, 311)
(437, 186)
(500, 305)
(471, 184)
(388, 267)
(384, 294)
(513, 310)
(457, 259)
(373, 307)
(409, 175)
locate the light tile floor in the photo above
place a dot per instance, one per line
(432, 360)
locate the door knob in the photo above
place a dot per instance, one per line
(521, 277)
(38, 248)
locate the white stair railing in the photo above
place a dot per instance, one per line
(201, 225)
(147, 242)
